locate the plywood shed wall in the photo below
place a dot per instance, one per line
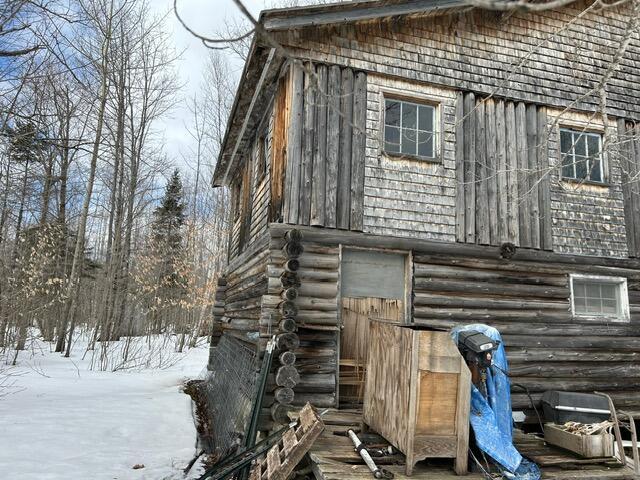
(325, 146)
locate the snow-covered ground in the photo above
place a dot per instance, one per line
(64, 421)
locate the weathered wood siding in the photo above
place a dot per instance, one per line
(526, 298)
(629, 155)
(502, 173)
(254, 190)
(246, 283)
(404, 197)
(482, 51)
(325, 149)
(587, 219)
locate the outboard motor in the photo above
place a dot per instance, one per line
(477, 350)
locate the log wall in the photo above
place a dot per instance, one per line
(527, 298)
(324, 184)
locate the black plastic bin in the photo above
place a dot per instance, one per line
(561, 407)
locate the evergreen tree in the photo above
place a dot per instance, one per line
(168, 253)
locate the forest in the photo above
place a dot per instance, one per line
(101, 231)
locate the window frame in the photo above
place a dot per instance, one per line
(623, 315)
(420, 100)
(604, 165)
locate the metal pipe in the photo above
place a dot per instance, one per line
(360, 448)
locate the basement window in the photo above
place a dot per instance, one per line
(581, 156)
(600, 297)
(410, 129)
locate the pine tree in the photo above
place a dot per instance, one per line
(168, 252)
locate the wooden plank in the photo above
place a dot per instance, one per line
(544, 187)
(501, 165)
(294, 147)
(344, 163)
(318, 189)
(491, 170)
(513, 207)
(333, 145)
(358, 151)
(469, 167)
(462, 421)
(533, 173)
(524, 217)
(308, 140)
(624, 138)
(278, 148)
(460, 169)
(273, 462)
(483, 232)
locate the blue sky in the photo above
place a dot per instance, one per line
(206, 17)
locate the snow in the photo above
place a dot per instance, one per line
(63, 421)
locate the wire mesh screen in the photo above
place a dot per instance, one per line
(228, 392)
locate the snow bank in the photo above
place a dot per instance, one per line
(69, 422)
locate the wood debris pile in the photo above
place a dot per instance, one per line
(587, 428)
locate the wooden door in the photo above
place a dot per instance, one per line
(372, 286)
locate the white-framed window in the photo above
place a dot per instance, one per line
(581, 154)
(599, 297)
(410, 128)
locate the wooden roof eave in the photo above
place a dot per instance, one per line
(349, 12)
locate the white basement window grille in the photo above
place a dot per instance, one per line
(409, 129)
(581, 156)
(600, 297)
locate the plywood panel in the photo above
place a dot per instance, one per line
(437, 400)
(368, 273)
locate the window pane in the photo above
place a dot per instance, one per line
(609, 307)
(581, 168)
(593, 305)
(609, 291)
(392, 139)
(425, 144)
(580, 146)
(567, 166)
(579, 289)
(580, 305)
(593, 290)
(409, 115)
(593, 143)
(425, 118)
(392, 113)
(595, 173)
(409, 141)
(565, 141)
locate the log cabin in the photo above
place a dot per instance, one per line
(437, 163)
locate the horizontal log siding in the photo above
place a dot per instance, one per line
(402, 197)
(482, 51)
(587, 219)
(526, 298)
(246, 283)
(529, 303)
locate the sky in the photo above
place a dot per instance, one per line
(206, 17)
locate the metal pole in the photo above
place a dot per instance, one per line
(360, 448)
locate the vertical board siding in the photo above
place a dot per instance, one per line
(506, 197)
(279, 137)
(325, 158)
(629, 154)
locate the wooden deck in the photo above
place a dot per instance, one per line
(333, 457)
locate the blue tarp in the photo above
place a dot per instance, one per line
(491, 418)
